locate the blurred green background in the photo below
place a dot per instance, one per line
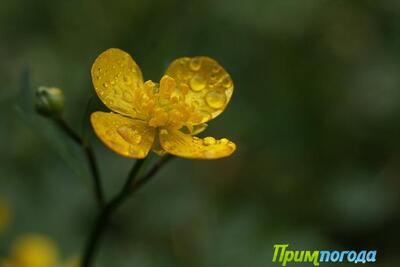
(315, 115)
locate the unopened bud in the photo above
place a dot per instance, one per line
(49, 101)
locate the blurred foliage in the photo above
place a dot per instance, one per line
(315, 114)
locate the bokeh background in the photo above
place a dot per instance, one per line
(315, 114)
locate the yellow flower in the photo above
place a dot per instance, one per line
(5, 215)
(34, 251)
(165, 116)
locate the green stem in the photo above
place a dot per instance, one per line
(89, 155)
(129, 188)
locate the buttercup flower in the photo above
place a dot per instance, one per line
(165, 116)
(35, 250)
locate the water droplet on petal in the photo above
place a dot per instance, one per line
(183, 61)
(209, 141)
(129, 134)
(223, 141)
(231, 145)
(227, 82)
(204, 116)
(127, 79)
(105, 85)
(195, 64)
(197, 83)
(213, 78)
(216, 99)
(184, 88)
(197, 140)
(216, 69)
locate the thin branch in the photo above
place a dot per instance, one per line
(129, 188)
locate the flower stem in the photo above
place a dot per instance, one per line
(61, 123)
(130, 187)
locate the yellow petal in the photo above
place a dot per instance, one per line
(116, 77)
(187, 146)
(209, 87)
(126, 136)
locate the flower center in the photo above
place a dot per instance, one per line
(163, 105)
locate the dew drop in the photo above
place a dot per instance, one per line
(216, 69)
(130, 135)
(197, 140)
(231, 145)
(197, 83)
(117, 92)
(105, 85)
(213, 78)
(127, 79)
(183, 61)
(195, 64)
(209, 141)
(216, 99)
(227, 82)
(223, 141)
(184, 88)
(204, 116)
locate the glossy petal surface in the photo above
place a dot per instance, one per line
(116, 77)
(207, 86)
(187, 146)
(126, 136)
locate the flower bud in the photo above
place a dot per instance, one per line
(49, 101)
